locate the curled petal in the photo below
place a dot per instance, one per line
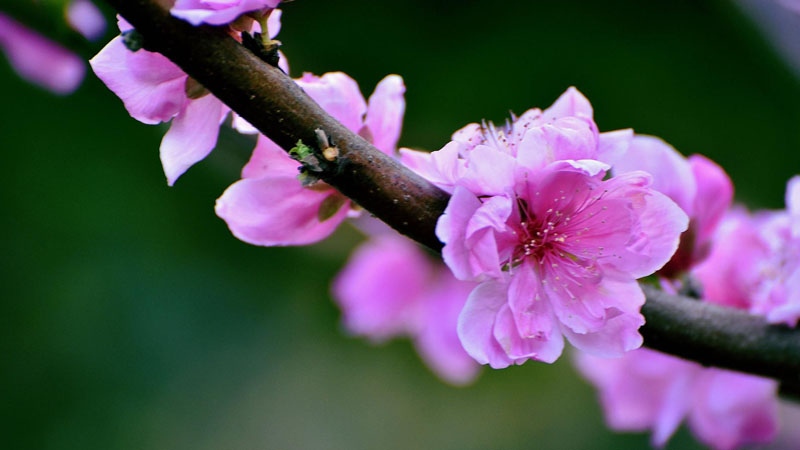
(660, 223)
(671, 173)
(622, 320)
(385, 113)
(191, 136)
(545, 347)
(489, 171)
(278, 210)
(451, 229)
(476, 324)
(338, 95)
(442, 168)
(152, 88)
(714, 196)
(570, 103)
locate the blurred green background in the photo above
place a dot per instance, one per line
(133, 319)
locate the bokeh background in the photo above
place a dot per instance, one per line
(132, 319)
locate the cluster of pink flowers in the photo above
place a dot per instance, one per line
(549, 227)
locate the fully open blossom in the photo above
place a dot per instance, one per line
(557, 248)
(218, 12)
(270, 206)
(38, 59)
(646, 389)
(156, 90)
(391, 288)
(699, 186)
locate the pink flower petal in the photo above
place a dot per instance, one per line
(338, 95)
(191, 136)
(476, 324)
(269, 159)
(620, 332)
(437, 339)
(441, 167)
(545, 347)
(199, 12)
(570, 103)
(380, 288)
(671, 172)
(714, 196)
(660, 222)
(451, 229)
(732, 409)
(86, 19)
(385, 113)
(38, 59)
(152, 88)
(277, 210)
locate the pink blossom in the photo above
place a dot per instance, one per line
(390, 288)
(38, 59)
(646, 389)
(86, 19)
(269, 205)
(698, 185)
(731, 274)
(557, 249)
(778, 296)
(154, 89)
(218, 12)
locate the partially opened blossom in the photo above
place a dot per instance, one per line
(218, 12)
(390, 288)
(557, 248)
(38, 59)
(270, 206)
(699, 186)
(154, 89)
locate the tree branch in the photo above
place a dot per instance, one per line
(273, 103)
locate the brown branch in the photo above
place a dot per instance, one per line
(274, 104)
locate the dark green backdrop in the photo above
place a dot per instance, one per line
(132, 319)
